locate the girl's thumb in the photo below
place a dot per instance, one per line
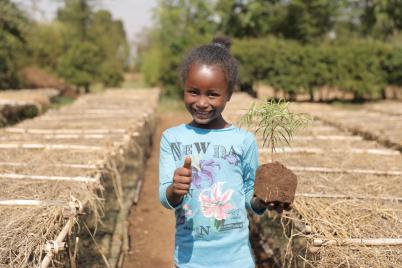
(187, 163)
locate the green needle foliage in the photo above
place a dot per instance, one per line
(276, 123)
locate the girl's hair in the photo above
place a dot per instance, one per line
(215, 53)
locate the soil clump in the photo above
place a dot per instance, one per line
(275, 183)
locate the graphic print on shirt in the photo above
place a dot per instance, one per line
(215, 204)
(203, 170)
(207, 160)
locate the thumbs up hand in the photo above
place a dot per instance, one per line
(182, 178)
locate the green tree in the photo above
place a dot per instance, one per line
(80, 64)
(76, 14)
(381, 18)
(47, 42)
(99, 35)
(12, 43)
(179, 26)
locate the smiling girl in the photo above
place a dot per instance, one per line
(207, 167)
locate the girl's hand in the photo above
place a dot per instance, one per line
(260, 204)
(182, 178)
(279, 207)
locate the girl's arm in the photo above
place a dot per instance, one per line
(249, 166)
(167, 167)
(181, 183)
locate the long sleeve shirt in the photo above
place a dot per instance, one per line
(211, 220)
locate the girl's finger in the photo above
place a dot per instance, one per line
(181, 186)
(279, 208)
(180, 192)
(184, 172)
(288, 207)
(182, 179)
(271, 205)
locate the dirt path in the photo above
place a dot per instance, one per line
(151, 225)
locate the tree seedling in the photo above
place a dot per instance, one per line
(274, 183)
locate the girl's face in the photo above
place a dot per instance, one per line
(205, 95)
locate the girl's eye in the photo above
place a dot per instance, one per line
(213, 94)
(192, 92)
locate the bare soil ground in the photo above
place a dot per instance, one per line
(151, 225)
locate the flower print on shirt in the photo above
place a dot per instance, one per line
(203, 170)
(214, 203)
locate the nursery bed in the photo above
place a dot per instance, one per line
(382, 127)
(348, 206)
(59, 189)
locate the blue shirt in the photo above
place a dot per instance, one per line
(211, 220)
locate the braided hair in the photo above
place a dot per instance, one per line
(216, 53)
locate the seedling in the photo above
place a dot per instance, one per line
(274, 182)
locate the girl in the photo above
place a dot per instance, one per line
(207, 167)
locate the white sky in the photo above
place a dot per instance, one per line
(135, 14)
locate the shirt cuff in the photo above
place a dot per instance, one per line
(164, 200)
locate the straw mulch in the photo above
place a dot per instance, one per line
(387, 107)
(383, 127)
(16, 105)
(347, 201)
(39, 97)
(98, 149)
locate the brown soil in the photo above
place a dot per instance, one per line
(151, 225)
(275, 183)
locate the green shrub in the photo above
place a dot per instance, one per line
(295, 68)
(392, 66)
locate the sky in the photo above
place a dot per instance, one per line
(135, 14)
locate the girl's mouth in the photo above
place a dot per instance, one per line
(202, 115)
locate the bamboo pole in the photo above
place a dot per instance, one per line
(358, 242)
(78, 166)
(95, 111)
(49, 178)
(312, 150)
(88, 117)
(70, 136)
(66, 131)
(60, 238)
(346, 171)
(137, 190)
(325, 137)
(329, 137)
(40, 203)
(34, 146)
(340, 196)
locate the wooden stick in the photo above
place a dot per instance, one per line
(312, 150)
(358, 242)
(339, 196)
(78, 166)
(325, 137)
(60, 238)
(49, 178)
(66, 131)
(40, 203)
(88, 117)
(33, 146)
(346, 171)
(94, 111)
(70, 136)
(137, 190)
(329, 137)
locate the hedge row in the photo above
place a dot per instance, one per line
(362, 67)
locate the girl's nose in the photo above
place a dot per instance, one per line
(202, 102)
